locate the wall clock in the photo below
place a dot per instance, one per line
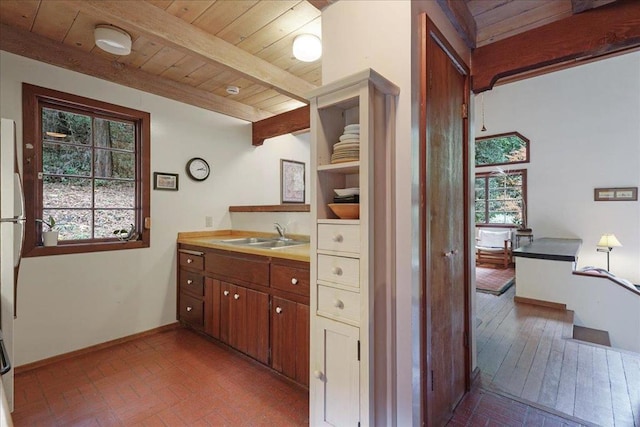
(198, 169)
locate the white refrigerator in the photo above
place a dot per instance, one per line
(11, 238)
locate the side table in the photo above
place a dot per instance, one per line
(528, 234)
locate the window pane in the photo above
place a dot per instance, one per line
(501, 149)
(114, 134)
(73, 224)
(115, 194)
(114, 164)
(62, 159)
(107, 221)
(63, 126)
(59, 192)
(480, 211)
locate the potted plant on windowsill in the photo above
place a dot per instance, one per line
(50, 236)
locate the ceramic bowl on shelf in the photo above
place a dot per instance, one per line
(344, 192)
(346, 210)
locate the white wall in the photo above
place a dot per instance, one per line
(67, 302)
(379, 34)
(584, 128)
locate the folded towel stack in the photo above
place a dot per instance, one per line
(348, 148)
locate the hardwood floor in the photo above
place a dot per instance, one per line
(527, 351)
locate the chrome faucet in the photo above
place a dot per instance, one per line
(281, 230)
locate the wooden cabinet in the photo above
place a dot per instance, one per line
(256, 304)
(290, 339)
(191, 290)
(352, 281)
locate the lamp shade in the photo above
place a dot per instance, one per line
(609, 241)
(307, 47)
(112, 39)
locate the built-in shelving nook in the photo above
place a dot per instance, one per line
(352, 260)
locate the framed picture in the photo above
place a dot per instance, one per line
(165, 181)
(291, 181)
(615, 194)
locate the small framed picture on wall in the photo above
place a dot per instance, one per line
(291, 181)
(165, 181)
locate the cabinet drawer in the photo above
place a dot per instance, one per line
(195, 262)
(290, 279)
(238, 269)
(339, 237)
(191, 310)
(191, 282)
(338, 303)
(337, 269)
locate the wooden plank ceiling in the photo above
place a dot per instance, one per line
(192, 50)
(179, 40)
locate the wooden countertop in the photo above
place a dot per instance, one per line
(551, 249)
(211, 239)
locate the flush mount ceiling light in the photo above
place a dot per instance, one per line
(307, 47)
(112, 39)
(233, 90)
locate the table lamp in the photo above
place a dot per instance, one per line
(606, 244)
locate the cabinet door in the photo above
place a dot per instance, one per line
(212, 295)
(256, 311)
(226, 296)
(336, 383)
(283, 336)
(302, 344)
(238, 318)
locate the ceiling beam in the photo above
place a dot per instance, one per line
(282, 124)
(321, 4)
(171, 31)
(579, 6)
(461, 19)
(594, 33)
(30, 45)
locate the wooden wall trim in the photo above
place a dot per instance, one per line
(593, 33)
(30, 45)
(282, 124)
(44, 362)
(542, 303)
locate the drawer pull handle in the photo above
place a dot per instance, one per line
(189, 308)
(294, 281)
(278, 310)
(336, 271)
(318, 374)
(236, 296)
(338, 304)
(189, 281)
(337, 238)
(226, 293)
(189, 260)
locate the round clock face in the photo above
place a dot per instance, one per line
(198, 169)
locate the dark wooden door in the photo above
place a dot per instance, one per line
(302, 344)
(226, 296)
(256, 311)
(444, 228)
(238, 318)
(283, 336)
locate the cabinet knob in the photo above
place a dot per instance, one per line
(236, 296)
(336, 271)
(189, 260)
(318, 374)
(294, 281)
(226, 293)
(338, 304)
(189, 281)
(447, 254)
(189, 308)
(278, 310)
(337, 238)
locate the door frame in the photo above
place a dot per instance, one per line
(429, 30)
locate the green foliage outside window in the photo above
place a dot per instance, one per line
(502, 149)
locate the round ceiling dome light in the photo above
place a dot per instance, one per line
(307, 47)
(112, 39)
(233, 90)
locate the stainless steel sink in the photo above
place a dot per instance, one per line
(263, 242)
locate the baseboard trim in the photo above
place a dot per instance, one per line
(549, 304)
(44, 362)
